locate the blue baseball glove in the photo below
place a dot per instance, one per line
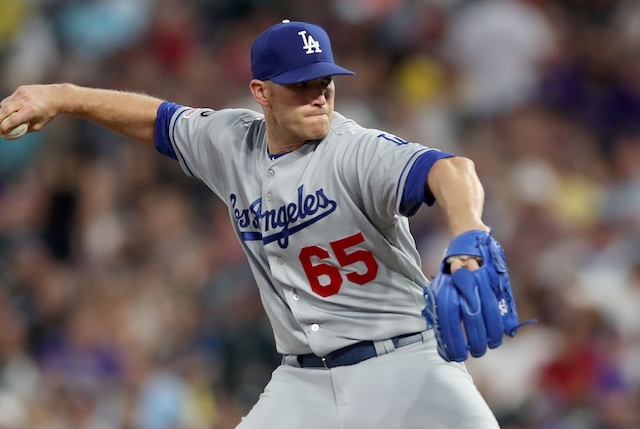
(480, 300)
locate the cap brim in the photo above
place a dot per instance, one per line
(310, 72)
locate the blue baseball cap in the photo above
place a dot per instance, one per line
(293, 52)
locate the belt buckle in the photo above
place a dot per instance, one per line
(324, 361)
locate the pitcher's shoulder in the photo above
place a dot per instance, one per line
(343, 126)
(240, 116)
(241, 122)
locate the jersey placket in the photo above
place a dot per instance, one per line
(276, 194)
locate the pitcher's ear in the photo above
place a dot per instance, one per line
(260, 91)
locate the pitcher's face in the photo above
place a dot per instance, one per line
(305, 109)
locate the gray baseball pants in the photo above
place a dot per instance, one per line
(411, 387)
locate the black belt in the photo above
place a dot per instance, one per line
(353, 354)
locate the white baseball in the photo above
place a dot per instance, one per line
(15, 132)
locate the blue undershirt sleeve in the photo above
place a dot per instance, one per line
(163, 120)
(414, 195)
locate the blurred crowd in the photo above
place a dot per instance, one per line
(125, 299)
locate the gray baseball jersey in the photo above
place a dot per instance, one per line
(322, 226)
(325, 232)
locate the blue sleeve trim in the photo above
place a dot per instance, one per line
(163, 120)
(414, 193)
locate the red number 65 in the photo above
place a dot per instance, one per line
(333, 277)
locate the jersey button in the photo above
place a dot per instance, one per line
(280, 261)
(296, 297)
(270, 173)
(315, 327)
(268, 197)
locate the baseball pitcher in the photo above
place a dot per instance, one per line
(320, 206)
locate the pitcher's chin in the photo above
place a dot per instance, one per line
(318, 125)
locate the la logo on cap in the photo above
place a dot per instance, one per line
(310, 44)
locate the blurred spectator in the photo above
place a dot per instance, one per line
(622, 202)
(594, 82)
(499, 48)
